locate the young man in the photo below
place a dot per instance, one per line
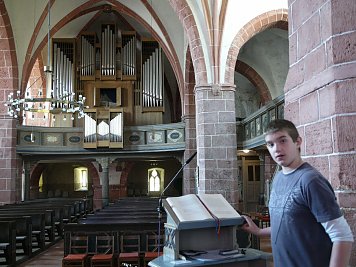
(307, 226)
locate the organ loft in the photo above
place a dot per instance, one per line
(120, 75)
(111, 98)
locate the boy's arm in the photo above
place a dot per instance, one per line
(252, 228)
(340, 234)
(340, 254)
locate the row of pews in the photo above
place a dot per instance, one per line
(30, 227)
(125, 233)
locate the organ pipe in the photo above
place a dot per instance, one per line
(87, 56)
(63, 68)
(90, 128)
(108, 52)
(129, 55)
(152, 80)
(116, 128)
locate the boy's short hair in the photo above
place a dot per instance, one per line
(283, 125)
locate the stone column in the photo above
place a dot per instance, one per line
(189, 175)
(26, 183)
(216, 140)
(104, 179)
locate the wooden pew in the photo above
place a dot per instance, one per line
(130, 208)
(62, 213)
(49, 218)
(123, 212)
(120, 222)
(124, 217)
(38, 226)
(8, 241)
(117, 221)
(80, 206)
(118, 227)
(121, 215)
(23, 231)
(91, 235)
(59, 212)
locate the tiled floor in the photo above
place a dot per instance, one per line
(53, 256)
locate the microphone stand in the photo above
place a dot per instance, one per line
(160, 208)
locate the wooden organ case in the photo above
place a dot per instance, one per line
(121, 77)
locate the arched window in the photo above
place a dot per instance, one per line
(81, 179)
(155, 179)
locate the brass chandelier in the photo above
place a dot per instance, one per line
(54, 102)
(17, 105)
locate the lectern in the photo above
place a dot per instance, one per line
(205, 224)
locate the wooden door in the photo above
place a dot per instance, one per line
(252, 184)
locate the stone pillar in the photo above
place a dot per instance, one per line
(26, 182)
(189, 172)
(104, 179)
(216, 140)
(320, 92)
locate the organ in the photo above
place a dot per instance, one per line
(121, 76)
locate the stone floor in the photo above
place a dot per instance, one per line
(51, 257)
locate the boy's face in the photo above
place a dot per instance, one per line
(283, 150)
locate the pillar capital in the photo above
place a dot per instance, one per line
(188, 117)
(104, 162)
(216, 89)
(29, 164)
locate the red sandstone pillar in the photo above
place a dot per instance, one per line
(320, 93)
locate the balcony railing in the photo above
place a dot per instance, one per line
(162, 137)
(250, 131)
(59, 140)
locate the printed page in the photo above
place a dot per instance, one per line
(219, 206)
(188, 208)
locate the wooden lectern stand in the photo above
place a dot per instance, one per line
(204, 223)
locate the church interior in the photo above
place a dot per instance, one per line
(110, 106)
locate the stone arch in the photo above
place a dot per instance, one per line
(189, 84)
(125, 174)
(8, 61)
(255, 79)
(30, 48)
(38, 168)
(36, 174)
(186, 17)
(190, 123)
(95, 179)
(117, 6)
(271, 19)
(37, 82)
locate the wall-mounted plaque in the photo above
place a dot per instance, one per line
(175, 136)
(155, 137)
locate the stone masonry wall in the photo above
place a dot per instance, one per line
(320, 92)
(9, 178)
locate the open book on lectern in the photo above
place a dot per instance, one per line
(200, 211)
